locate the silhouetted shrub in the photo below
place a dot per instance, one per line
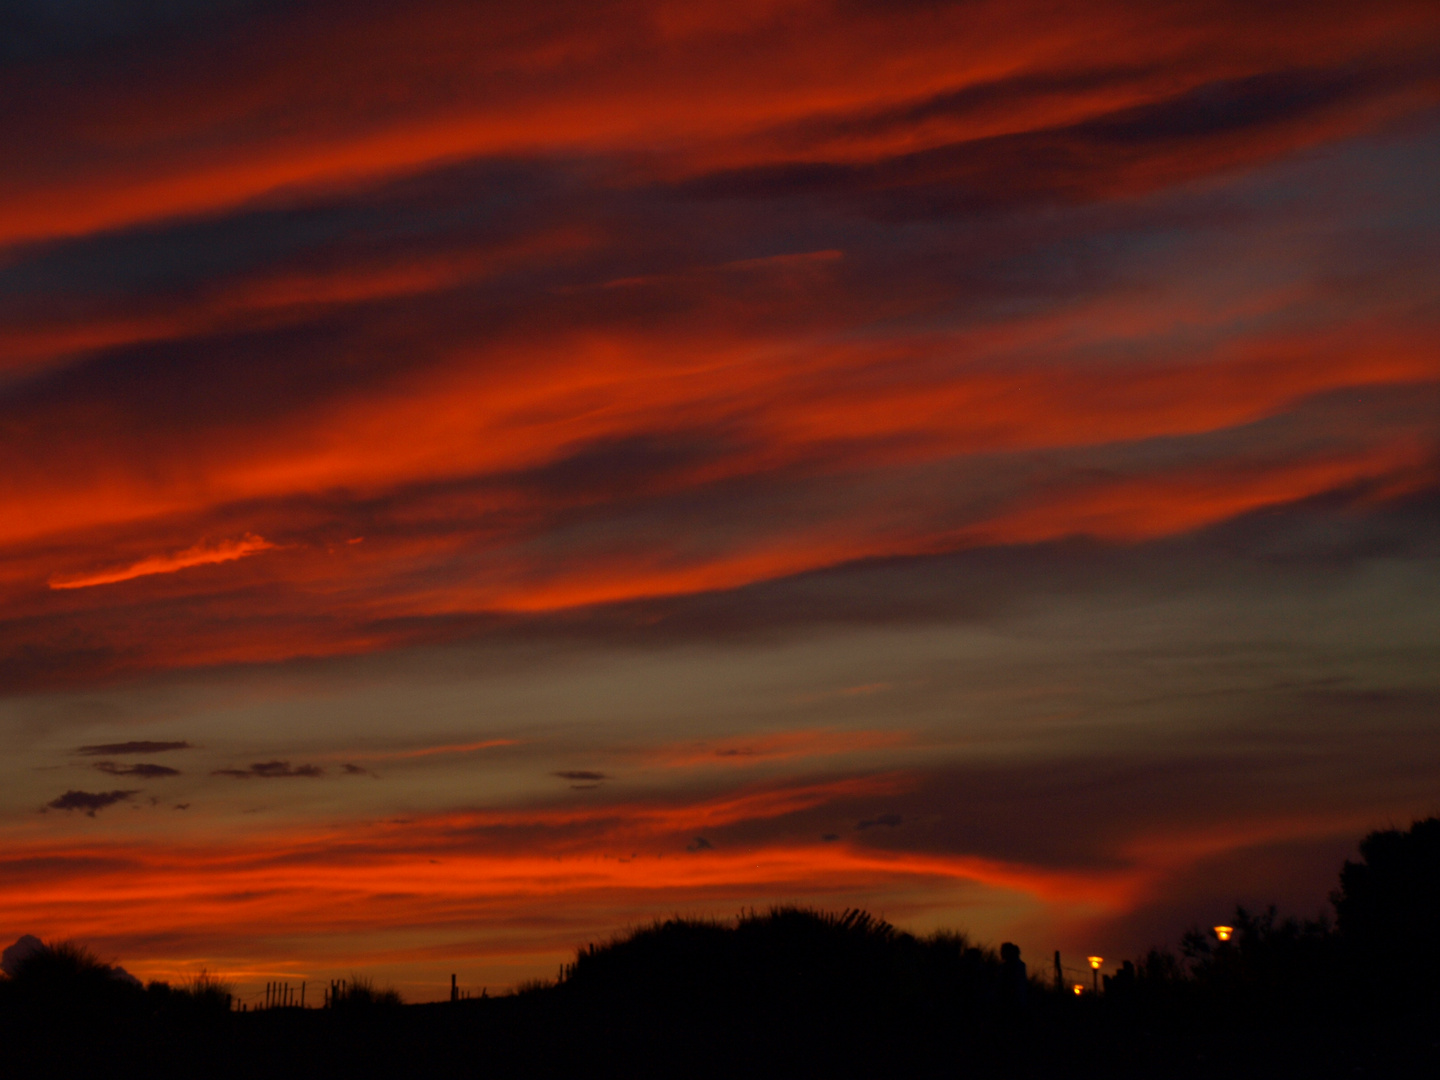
(200, 999)
(792, 970)
(66, 978)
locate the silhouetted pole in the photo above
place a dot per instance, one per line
(454, 990)
(1095, 962)
(302, 995)
(1059, 974)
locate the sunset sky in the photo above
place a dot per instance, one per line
(478, 476)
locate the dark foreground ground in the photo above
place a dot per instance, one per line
(548, 1036)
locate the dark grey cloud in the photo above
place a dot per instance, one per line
(188, 265)
(995, 95)
(1071, 163)
(144, 770)
(1235, 105)
(88, 801)
(890, 821)
(135, 747)
(700, 844)
(624, 468)
(174, 385)
(53, 31)
(269, 770)
(580, 774)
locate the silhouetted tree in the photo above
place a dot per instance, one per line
(1270, 965)
(1388, 908)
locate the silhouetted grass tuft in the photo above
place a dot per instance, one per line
(361, 992)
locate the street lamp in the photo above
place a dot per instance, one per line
(1079, 989)
(1224, 932)
(1095, 962)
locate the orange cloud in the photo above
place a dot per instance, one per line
(202, 554)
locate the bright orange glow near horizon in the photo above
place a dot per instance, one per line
(475, 481)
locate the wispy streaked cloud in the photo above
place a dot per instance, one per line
(444, 750)
(203, 554)
(778, 746)
(135, 746)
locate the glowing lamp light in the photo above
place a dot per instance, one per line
(1079, 989)
(1095, 962)
(1224, 932)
